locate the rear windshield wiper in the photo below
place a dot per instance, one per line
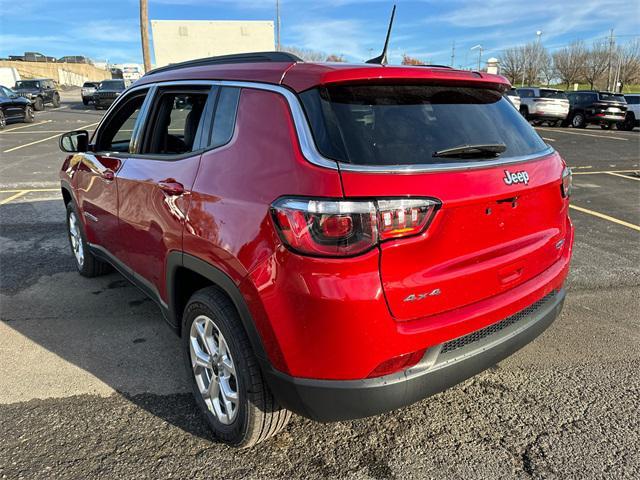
(488, 150)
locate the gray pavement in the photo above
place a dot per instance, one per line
(92, 384)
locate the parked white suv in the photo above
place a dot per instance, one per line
(543, 105)
(513, 96)
(632, 118)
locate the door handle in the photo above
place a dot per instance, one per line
(108, 174)
(171, 187)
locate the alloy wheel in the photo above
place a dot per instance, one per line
(214, 369)
(3, 121)
(76, 239)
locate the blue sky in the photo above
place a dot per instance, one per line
(354, 28)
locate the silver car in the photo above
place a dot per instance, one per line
(541, 105)
(514, 97)
(87, 91)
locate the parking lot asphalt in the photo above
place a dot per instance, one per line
(92, 384)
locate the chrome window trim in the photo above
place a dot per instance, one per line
(307, 143)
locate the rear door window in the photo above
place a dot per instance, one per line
(556, 94)
(407, 124)
(225, 116)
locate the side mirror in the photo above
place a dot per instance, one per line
(74, 142)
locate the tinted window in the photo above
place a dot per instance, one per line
(89, 84)
(633, 100)
(175, 122)
(545, 93)
(525, 93)
(611, 97)
(225, 117)
(405, 124)
(28, 84)
(112, 85)
(115, 135)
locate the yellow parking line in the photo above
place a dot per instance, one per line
(45, 139)
(637, 179)
(29, 190)
(609, 137)
(13, 197)
(606, 171)
(606, 217)
(25, 126)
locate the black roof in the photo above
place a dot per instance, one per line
(254, 57)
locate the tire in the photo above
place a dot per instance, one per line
(38, 104)
(55, 101)
(29, 116)
(524, 111)
(86, 263)
(256, 415)
(628, 124)
(578, 120)
(85, 101)
(3, 120)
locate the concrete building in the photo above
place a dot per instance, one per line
(180, 40)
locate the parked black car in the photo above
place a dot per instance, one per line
(39, 91)
(593, 107)
(14, 108)
(74, 59)
(107, 92)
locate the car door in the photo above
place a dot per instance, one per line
(154, 185)
(11, 105)
(95, 171)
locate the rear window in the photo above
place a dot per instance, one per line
(112, 85)
(545, 93)
(632, 100)
(611, 97)
(28, 84)
(89, 84)
(407, 124)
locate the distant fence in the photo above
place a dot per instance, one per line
(63, 73)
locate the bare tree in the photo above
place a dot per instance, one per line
(306, 53)
(512, 64)
(569, 62)
(335, 58)
(407, 60)
(596, 62)
(628, 58)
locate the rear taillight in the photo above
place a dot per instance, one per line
(566, 182)
(331, 228)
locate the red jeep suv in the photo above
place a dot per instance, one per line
(334, 240)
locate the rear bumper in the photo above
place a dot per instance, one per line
(548, 115)
(443, 366)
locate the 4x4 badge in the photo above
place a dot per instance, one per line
(517, 177)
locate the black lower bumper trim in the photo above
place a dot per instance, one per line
(334, 400)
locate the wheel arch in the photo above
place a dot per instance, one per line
(187, 274)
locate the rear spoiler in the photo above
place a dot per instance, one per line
(300, 80)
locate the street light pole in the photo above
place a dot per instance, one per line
(144, 34)
(479, 48)
(278, 25)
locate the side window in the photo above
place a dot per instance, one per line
(3, 92)
(175, 121)
(115, 135)
(225, 116)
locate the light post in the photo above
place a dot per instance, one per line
(479, 48)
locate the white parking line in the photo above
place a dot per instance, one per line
(25, 126)
(39, 131)
(637, 179)
(606, 217)
(608, 137)
(45, 139)
(605, 171)
(549, 139)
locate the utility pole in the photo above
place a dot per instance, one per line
(479, 48)
(144, 34)
(453, 53)
(278, 25)
(610, 54)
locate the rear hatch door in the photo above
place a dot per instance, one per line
(502, 219)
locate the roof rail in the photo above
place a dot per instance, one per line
(253, 57)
